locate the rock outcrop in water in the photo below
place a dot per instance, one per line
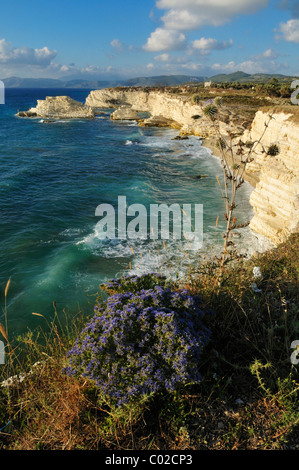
(125, 113)
(275, 199)
(58, 107)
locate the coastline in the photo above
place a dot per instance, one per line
(272, 176)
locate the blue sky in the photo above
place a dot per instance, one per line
(100, 39)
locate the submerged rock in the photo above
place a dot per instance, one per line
(26, 114)
(198, 177)
(58, 107)
(181, 137)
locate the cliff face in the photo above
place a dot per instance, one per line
(165, 109)
(275, 199)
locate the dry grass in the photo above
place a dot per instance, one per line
(285, 109)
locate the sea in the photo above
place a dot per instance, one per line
(53, 177)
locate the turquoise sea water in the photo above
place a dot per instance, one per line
(54, 175)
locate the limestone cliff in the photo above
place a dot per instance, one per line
(58, 107)
(275, 200)
(166, 109)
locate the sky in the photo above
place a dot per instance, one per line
(114, 39)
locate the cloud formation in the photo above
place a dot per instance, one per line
(289, 31)
(190, 15)
(193, 14)
(206, 45)
(25, 55)
(117, 44)
(165, 40)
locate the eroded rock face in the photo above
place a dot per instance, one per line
(165, 109)
(125, 113)
(59, 107)
(275, 200)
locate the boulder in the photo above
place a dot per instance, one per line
(125, 113)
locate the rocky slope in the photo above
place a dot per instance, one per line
(58, 107)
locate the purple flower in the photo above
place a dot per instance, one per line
(143, 338)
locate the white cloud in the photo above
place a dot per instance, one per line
(116, 43)
(119, 46)
(250, 66)
(188, 15)
(163, 58)
(165, 40)
(206, 45)
(269, 54)
(25, 55)
(289, 31)
(192, 14)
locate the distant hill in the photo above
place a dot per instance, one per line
(161, 80)
(16, 82)
(231, 77)
(243, 77)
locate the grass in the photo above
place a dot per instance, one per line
(286, 109)
(248, 398)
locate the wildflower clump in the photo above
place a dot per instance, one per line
(142, 341)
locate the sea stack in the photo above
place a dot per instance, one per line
(59, 107)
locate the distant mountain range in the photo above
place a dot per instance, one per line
(243, 77)
(161, 80)
(16, 82)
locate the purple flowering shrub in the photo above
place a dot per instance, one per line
(135, 283)
(142, 341)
